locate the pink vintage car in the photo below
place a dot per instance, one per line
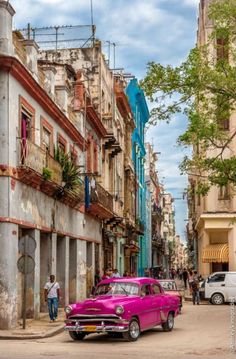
(122, 305)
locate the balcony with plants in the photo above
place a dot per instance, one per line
(57, 176)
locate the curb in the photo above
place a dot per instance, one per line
(48, 334)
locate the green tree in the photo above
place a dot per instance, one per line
(203, 88)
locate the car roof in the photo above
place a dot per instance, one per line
(137, 280)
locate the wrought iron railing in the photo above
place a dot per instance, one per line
(100, 195)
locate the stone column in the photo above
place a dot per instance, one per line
(36, 236)
(204, 268)
(6, 14)
(54, 254)
(81, 270)
(67, 261)
(232, 248)
(8, 275)
(62, 275)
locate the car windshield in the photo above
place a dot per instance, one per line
(115, 288)
(168, 285)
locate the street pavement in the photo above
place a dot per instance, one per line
(202, 330)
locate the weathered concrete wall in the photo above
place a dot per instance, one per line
(8, 275)
(6, 14)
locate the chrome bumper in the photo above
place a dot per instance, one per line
(97, 328)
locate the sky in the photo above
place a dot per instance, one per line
(143, 30)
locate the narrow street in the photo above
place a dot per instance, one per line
(200, 331)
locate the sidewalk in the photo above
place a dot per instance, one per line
(36, 329)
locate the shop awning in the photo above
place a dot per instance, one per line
(217, 253)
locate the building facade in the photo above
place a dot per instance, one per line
(140, 112)
(211, 227)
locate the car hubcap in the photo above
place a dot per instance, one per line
(218, 299)
(170, 321)
(134, 330)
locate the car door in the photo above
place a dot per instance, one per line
(157, 303)
(215, 284)
(146, 307)
(230, 286)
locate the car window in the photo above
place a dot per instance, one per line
(169, 285)
(220, 277)
(145, 290)
(117, 288)
(156, 289)
(231, 279)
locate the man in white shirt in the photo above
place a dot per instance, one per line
(52, 296)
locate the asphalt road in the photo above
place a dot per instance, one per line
(202, 330)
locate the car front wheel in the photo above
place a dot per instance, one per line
(133, 332)
(77, 336)
(217, 299)
(169, 324)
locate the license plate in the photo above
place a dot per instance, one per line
(90, 328)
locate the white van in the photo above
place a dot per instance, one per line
(219, 287)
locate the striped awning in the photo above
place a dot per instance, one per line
(217, 253)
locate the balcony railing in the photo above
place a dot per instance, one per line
(107, 121)
(101, 196)
(33, 156)
(56, 169)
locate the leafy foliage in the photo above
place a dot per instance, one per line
(203, 88)
(70, 171)
(47, 173)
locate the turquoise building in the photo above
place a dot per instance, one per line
(141, 115)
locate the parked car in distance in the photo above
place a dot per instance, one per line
(219, 287)
(123, 305)
(170, 287)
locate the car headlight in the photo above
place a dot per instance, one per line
(119, 309)
(68, 309)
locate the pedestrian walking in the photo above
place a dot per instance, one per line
(185, 277)
(52, 297)
(115, 273)
(195, 289)
(190, 280)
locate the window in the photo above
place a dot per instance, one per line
(217, 278)
(222, 50)
(74, 157)
(62, 143)
(156, 289)
(145, 290)
(223, 112)
(95, 157)
(224, 193)
(46, 136)
(27, 120)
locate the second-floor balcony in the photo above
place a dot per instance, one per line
(101, 202)
(41, 171)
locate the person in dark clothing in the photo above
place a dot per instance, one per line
(185, 277)
(195, 289)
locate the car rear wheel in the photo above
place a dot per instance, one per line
(133, 332)
(77, 336)
(169, 324)
(217, 299)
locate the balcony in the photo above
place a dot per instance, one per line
(34, 160)
(101, 203)
(139, 227)
(110, 138)
(157, 211)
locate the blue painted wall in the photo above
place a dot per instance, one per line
(140, 111)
